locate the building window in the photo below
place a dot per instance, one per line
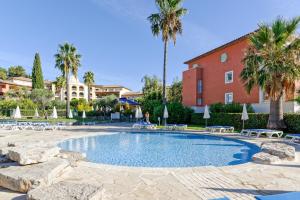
(223, 57)
(195, 65)
(74, 88)
(199, 86)
(229, 77)
(228, 98)
(199, 101)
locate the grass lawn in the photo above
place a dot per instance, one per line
(49, 120)
(191, 127)
(61, 119)
(196, 128)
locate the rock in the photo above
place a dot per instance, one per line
(24, 178)
(4, 151)
(72, 157)
(283, 151)
(10, 145)
(27, 155)
(66, 191)
(265, 158)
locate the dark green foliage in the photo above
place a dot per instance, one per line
(18, 93)
(229, 108)
(178, 113)
(6, 106)
(3, 73)
(16, 71)
(58, 104)
(175, 92)
(74, 103)
(292, 122)
(152, 84)
(255, 120)
(37, 73)
(107, 103)
(41, 97)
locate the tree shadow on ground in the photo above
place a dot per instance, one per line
(251, 191)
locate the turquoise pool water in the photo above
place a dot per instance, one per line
(162, 149)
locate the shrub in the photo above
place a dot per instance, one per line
(58, 104)
(256, 120)
(229, 108)
(178, 113)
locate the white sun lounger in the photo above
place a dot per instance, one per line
(220, 129)
(259, 132)
(176, 127)
(144, 126)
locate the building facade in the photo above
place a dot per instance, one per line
(78, 90)
(214, 77)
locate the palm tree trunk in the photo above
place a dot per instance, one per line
(276, 114)
(61, 93)
(165, 76)
(68, 96)
(89, 98)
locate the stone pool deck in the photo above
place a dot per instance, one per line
(129, 183)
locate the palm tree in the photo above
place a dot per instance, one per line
(167, 22)
(60, 84)
(67, 61)
(89, 80)
(272, 63)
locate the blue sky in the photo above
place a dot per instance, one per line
(114, 37)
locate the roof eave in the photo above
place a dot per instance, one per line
(220, 47)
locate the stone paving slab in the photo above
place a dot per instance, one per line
(27, 155)
(66, 191)
(24, 178)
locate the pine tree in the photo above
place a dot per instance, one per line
(37, 74)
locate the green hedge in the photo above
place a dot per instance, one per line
(255, 120)
(30, 113)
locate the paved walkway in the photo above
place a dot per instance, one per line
(124, 183)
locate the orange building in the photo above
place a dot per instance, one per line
(214, 77)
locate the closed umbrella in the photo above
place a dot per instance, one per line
(70, 114)
(83, 115)
(17, 114)
(137, 113)
(54, 113)
(206, 115)
(166, 115)
(244, 115)
(36, 114)
(140, 113)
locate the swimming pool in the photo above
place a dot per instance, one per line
(162, 149)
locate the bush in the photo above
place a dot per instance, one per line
(292, 122)
(256, 120)
(58, 104)
(6, 106)
(229, 108)
(178, 113)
